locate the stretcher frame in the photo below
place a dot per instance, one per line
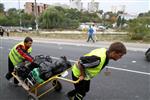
(33, 91)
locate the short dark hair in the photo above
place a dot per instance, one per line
(118, 47)
(27, 39)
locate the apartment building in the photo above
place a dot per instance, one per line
(30, 8)
(93, 6)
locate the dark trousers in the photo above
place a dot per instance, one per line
(90, 37)
(10, 70)
(80, 90)
(1, 33)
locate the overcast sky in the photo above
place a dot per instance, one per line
(132, 6)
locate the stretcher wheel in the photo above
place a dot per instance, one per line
(30, 97)
(57, 85)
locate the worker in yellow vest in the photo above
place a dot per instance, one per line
(18, 54)
(90, 65)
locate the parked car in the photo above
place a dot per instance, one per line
(30, 28)
(82, 27)
(101, 28)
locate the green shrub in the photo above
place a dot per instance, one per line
(147, 37)
(138, 29)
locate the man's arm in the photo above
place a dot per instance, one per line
(81, 70)
(87, 62)
(90, 61)
(24, 53)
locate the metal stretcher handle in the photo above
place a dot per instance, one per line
(20, 81)
(68, 80)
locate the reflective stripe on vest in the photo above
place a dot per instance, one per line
(15, 57)
(91, 72)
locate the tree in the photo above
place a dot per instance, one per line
(122, 22)
(51, 18)
(73, 14)
(119, 21)
(27, 20)
(138, 28)
(55, 17)
(101, 12)
(2, 8)
(141, 14)
(119, 12)
(3, 20)
(13, 17)
(113, 19)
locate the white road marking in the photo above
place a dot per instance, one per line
(127, 70)
(133, 61)
(1, 47)
(121, 69)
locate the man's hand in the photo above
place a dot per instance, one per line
(23, 63)
(107, 72)
(81, 78)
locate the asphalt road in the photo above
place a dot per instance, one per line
(129, 80)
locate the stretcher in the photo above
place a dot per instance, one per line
(52, 82)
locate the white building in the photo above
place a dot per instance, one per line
(77, 4)
(128, 16)
(115, 9)
(93, 6)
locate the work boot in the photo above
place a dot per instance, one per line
(78, 97)
(7, 76)
(71, 95)
(70, 98)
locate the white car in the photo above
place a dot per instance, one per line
(81, 27)
(101, 28)
(30, 28)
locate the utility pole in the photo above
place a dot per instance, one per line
(36, 18)
(20, 21)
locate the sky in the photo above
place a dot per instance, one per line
(131, 6)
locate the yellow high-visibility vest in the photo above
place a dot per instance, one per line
(15, 57)
(92, 72)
